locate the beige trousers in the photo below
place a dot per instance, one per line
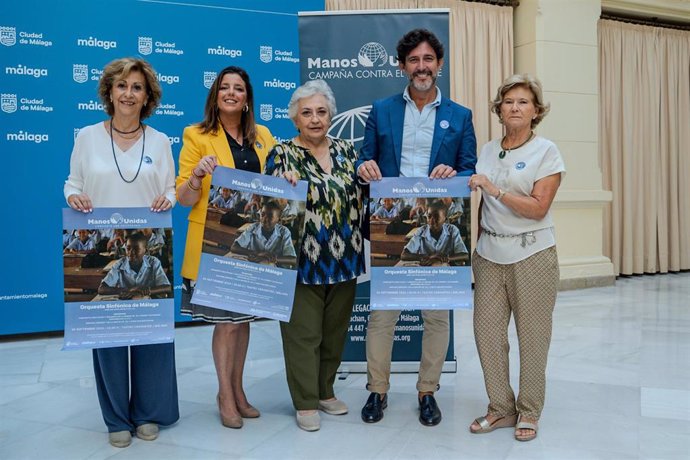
(527, 289)
(380, 332)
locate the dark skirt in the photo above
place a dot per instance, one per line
(208, 314)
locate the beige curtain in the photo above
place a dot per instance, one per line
(481, 52)
(644, 86)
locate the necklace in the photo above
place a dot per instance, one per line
(238, 140)
(502, 153)
(141, 160)
(239, 137)
(124, 132)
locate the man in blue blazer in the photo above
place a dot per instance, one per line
(414, 134)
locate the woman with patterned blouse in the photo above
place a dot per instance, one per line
(332, 252)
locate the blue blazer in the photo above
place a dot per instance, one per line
(454, 145)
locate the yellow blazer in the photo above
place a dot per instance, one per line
(196, 145)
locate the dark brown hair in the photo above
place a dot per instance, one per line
(211, 119)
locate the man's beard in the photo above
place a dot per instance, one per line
(423, 86)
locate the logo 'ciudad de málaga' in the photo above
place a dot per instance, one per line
(8, 37)
(209, 77)
(146, 46)
(10, 103)
(169, 110)
(267, 112)
(81, 72)
(266, 55)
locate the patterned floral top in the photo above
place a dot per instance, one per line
(332, 248)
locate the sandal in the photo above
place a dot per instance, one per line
(506, 421)
(525, 426)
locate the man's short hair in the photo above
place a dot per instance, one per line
(413, 38)
(138, 237)
(438, 205)
(272, 205)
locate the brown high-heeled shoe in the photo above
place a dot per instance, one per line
(229, 422)
(249, 412)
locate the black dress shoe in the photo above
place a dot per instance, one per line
(429, 413)
(372, 411)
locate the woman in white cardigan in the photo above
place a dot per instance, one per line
(120, 162)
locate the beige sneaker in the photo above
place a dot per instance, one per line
(311, 422)
(120, 438)
(333, 407)
(147, 431)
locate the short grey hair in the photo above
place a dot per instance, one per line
(309, 89)
(526, 81)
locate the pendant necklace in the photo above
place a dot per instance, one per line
(141, 160)
(502, 153)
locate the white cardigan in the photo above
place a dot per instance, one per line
(93, 170)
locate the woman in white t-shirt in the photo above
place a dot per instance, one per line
(515, 263)
(121, 162)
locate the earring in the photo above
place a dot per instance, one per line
(246, 108)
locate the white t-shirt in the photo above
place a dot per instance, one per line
(516, 174)
(93, 170)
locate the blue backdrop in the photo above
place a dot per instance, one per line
(52, 54)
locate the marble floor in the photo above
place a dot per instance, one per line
(618, 388)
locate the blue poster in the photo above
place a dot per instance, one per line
(254, 226)
(420, 237)
(117, 265)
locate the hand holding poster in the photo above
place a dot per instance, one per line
(254, 226)
(420, 235)
(117, 272)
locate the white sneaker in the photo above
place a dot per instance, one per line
(120, 438)
(147, 431)
(311, 422)
(333, 407)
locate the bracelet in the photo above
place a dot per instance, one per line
(191, 187)
(500, 195)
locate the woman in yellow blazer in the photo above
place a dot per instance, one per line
(227, 136)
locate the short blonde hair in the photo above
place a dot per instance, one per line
(121, 68)
(526, 81)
